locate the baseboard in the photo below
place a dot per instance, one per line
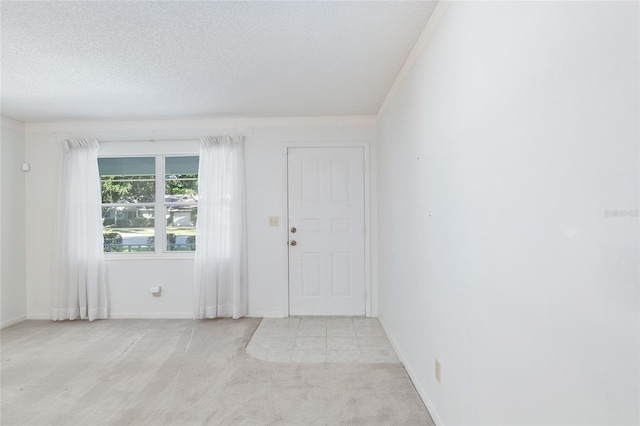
(151, 315)
(12, 321)
(423, 394)
(154, 315)
(38, 316)
(278, 314)
(267, 314)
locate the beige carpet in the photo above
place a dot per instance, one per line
(184, 372)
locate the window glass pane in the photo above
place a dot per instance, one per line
(181, 180)
(181, 227)
(128, 166)
(181, 189)
(181, 165)
(130, 189)
(128, 228)
(127, 180)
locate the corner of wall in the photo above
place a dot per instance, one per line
(432, 23)
(13, 304)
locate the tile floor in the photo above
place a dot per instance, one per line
(321, 340)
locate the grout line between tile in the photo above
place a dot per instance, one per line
(290, 352)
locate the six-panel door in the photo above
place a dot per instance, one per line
(326, 248)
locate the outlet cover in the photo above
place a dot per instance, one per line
(274, 221)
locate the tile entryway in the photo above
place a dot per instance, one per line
(321, 340)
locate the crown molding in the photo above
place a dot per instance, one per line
(204, 123)
(432, 23)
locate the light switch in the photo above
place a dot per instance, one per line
(274, 221)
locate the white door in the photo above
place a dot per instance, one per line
(326, 231)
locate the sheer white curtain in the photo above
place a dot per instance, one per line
(220, 287)
(79, 289)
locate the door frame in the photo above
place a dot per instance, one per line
(365, 145)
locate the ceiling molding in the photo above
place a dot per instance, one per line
(431, 25)
(204, 123)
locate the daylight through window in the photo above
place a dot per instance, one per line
(137, 192)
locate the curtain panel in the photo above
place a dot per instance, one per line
(79, 290)
(220, 285)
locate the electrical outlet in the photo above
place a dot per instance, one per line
(274, 221)
(438, 371)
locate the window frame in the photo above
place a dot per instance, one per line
(159, 205)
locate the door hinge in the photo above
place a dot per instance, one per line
(364, 231)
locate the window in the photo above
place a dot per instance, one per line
(135, 190)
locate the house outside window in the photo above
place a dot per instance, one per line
(149, 203)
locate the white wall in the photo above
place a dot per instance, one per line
(510, 138)
(12, 224)
(129, 280)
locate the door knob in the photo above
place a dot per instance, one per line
(293, 242)
(293, 230)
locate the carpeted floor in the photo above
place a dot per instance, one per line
(184, 372)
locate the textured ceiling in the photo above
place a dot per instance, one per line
(132, 60)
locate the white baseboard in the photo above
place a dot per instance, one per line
(423, 394)
(267, 314)
(155, 315)
(38, 316)
(276, 314)
(12, 321)
(151, 315)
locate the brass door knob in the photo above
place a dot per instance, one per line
(293, 242)
(293, 230)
